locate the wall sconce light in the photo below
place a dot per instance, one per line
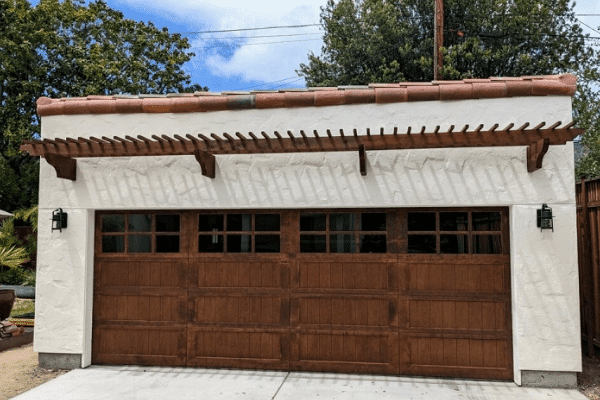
(544, 218)
(59, 220)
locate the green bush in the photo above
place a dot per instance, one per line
(17, 276)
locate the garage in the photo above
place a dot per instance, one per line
(411, 291)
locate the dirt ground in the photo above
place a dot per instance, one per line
(589, 380)
(19, 372)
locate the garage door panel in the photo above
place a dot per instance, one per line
(241, 308)
(113, 308)
(346, 310)
(344, 351)
(456, 315)
(456, 356)
(216, 273)
(240, 348)
(369, 275)
(145, 345)
(451, 277)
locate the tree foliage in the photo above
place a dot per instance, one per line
(67, 48)
(390, 41)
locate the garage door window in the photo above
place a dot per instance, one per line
(239, 233)
(140, 233)
(454, 232)
(343, 232)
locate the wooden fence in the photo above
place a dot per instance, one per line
(588, 243)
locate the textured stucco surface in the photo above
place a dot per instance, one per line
(544, 264)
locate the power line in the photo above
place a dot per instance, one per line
(588, 25)
(269, 83)
(254, 44)
(261, 36)
(251, 29)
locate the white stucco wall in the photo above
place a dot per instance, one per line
(544, 265)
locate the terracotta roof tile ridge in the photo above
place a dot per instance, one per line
(495, 87)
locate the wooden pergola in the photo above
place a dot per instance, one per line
(62, 153)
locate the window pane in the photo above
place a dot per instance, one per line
(239, 243)
(486, 221)
(313, 222)
(373, 244)
(167, 244)
(167, 223)
(210, 243)
(372, 222)
(113, 244)
(113, 223)
(421, 221)
(454, 221)
(210, 223)
(239, 222)
(140, 223)
(341, 222)
(312, 244)
(421, 244)
(139, 244)
(266, 244)
(267, 222)
(454, 244)
(487, 244)
(341, 244)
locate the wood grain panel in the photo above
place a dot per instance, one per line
(238, 348)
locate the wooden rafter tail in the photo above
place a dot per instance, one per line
(509, 127)
(569, 125)
(267, 139)
(207, 163)
(230, 140)
(555, 125)
(362, 159)
(279, 139)
(535, 154)
(304, 139)
(66, 167)
(539, 126)
(292, 139)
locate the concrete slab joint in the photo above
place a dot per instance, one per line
(59, 360)
(549, 379)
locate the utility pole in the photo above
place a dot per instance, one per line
(438, 40)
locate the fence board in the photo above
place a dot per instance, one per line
(588, 245)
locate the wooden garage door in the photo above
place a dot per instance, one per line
(412, 292)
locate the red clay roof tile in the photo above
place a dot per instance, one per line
(497, 87)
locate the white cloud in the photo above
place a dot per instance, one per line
(255, 60)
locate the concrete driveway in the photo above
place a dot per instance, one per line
(144, 383)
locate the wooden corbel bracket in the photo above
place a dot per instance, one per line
(362, 159)
(535, 154)
(66, 167)
(207, 163)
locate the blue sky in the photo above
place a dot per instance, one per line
(258, 63)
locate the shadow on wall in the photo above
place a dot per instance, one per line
(395, 178)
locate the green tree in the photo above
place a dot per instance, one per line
(67, 48)
(389, 41)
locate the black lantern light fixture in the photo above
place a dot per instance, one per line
(59, 220)
(544, 218)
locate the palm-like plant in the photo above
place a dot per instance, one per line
(12, 256)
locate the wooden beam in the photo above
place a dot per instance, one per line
(535, 154)
(362, 159)
(207, 163)
(66, 167)
(302, 143)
